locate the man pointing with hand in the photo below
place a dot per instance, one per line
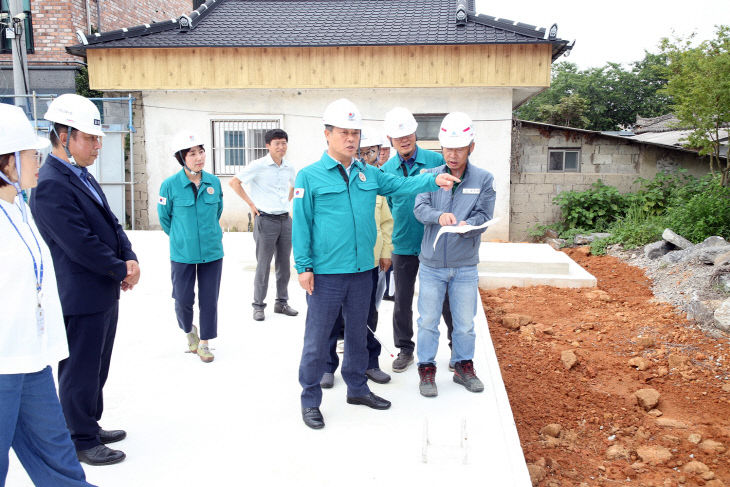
(333, 239)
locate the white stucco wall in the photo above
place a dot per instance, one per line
(167, 112)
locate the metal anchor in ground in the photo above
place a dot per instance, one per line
(463, 443)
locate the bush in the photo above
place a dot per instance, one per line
(596, 208)
(637, 228)
(701, 210)
(655, 195)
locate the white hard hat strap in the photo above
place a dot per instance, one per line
(185, 165)
(70, 158)
(16, 184)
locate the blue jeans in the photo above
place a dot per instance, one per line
(462, 284)
(332, 292)
(31, 422)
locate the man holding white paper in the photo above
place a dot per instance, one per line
(450, 264)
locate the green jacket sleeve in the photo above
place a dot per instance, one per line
(164, 208)
(302, 224)
(390, 184)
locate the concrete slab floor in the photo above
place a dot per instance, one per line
(237, 420)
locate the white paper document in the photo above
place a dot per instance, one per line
(462, 229)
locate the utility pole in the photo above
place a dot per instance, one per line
(20, 54)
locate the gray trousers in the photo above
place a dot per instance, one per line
(272, 234)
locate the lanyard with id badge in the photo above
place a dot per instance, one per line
(39, 317)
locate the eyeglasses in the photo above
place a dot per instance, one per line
(369, 152)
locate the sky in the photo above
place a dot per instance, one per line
(614, 31)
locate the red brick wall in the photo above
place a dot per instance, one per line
(55, 21)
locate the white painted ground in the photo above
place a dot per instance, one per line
(237, 421)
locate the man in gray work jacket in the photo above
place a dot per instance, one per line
(452, 265)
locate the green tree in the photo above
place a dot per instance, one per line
(569, 111)
(614, 95)
(699, 83)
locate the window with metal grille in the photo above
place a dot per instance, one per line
(237, 143)
(563, 160)
(5, 42)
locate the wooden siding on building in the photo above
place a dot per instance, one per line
(514, 65)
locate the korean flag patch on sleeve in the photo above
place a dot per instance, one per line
(162, 200)
(299, 192)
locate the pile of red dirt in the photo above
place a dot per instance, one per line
(609, 386)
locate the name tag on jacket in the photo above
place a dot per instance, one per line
(472, 190)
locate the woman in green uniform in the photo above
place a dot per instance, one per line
(190, 206)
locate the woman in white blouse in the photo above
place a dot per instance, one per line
(32, 334)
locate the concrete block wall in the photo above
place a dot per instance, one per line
(55, 22)
(135, 167)
(616, 162)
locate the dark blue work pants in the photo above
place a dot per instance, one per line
(183, 291)
(373, 343)
(332, 292)
(31, 422)
(81, 377)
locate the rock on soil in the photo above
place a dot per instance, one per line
(657, 249)
(676, 240)
(568, 358)
(722, 316)
(695, 467)
(647, 398)
(654, 455)
(552, 429)
(712, 446)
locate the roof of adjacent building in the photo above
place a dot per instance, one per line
(665, 140)
(322, 23)
(663, 123)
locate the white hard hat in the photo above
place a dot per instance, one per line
(77, 112)
(185, 139)
(399, 122)
(385, 142)
(342, 113)
(370, 138)
(456, 131)
(16, 132)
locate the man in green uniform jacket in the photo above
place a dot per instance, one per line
(333, 235)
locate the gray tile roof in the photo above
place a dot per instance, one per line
(320, 23)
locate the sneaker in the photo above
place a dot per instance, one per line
(285, 309)
(204, 353)
(327, 381)
(193, 339)
(427, 386)
(340, 346)
(258, 314)
(377, 375)
(451, 366)
(465, 375)
(402, 361)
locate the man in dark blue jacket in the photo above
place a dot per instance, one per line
(93, 259)
(449, 262)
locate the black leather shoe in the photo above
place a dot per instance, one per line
(371, 401)
(285, 309)
(100, 455)
(111, 436)
(313, 418)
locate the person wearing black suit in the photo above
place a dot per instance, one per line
(93, 259)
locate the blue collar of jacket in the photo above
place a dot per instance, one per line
(331, 163)
(413, 159)
(205, 178)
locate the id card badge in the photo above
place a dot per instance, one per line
(40, 320)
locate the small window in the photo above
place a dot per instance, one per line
(5, 42)
(564, 160)
(238, 142)
(427, 132)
